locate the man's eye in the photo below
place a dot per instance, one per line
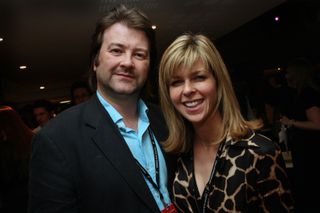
(115, 51)
(141, 56)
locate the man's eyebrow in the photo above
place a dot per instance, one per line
(115, 44)
(121, 45)
(142, 49)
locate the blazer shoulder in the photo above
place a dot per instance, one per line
(153, 107)
(155, 113)
(75, 118)
(157, 121)
(65, 118)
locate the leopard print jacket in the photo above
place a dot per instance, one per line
(250, 177)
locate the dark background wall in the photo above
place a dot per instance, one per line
(265, 43)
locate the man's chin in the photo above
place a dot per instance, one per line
(127, 92)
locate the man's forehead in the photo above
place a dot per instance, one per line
(122, 35)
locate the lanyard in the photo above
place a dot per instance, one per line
(156, 164)
(209, 184)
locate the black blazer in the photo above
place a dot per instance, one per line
(81, 163)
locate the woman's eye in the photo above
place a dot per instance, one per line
(200, 77)
(176, 83)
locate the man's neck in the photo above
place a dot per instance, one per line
(127, 106)
(130, 114)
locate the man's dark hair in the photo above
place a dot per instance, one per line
(79, 84)
(42, 103)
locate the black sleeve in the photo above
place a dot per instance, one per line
(50, 183)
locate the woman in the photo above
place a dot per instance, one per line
(224, 166)
(303, 121)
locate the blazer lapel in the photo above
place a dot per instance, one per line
(110, 141)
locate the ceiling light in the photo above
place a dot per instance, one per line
(42, 87)
(23, 67)
(1, 39)
(276, 18)
(65, 102)
(154, 27)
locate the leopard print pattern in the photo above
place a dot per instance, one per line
(250, 177)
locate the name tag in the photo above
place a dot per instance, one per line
(169, 209)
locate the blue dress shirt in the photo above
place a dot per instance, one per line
(140, 146)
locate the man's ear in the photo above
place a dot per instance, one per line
(95, 62)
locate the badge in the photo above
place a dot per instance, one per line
(169, 209)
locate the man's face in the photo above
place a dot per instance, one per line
(42, 115)
(123, 62)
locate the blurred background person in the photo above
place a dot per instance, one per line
(303, 122)
(43, 111)
(15, 145)
(278, 99)
(80, 92)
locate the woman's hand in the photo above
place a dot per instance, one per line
(286, 121)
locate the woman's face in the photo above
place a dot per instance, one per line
(193, 92)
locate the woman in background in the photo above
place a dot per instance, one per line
(303, 122)
(15, 145)
(223, 164)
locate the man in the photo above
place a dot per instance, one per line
(96, 156)
(80, 92)
(43, 112)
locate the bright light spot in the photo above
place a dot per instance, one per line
(1, 39)
(23, 67)
(154, 27)
(279, 68)
(276, 18)
(65, 102)
(42, 87)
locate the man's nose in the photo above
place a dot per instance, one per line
(127, 60)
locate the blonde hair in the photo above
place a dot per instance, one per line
(184, 52)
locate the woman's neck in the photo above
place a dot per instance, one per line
(210, 131)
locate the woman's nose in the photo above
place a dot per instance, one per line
(188, 88)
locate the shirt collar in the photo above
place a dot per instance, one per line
(117, 117)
